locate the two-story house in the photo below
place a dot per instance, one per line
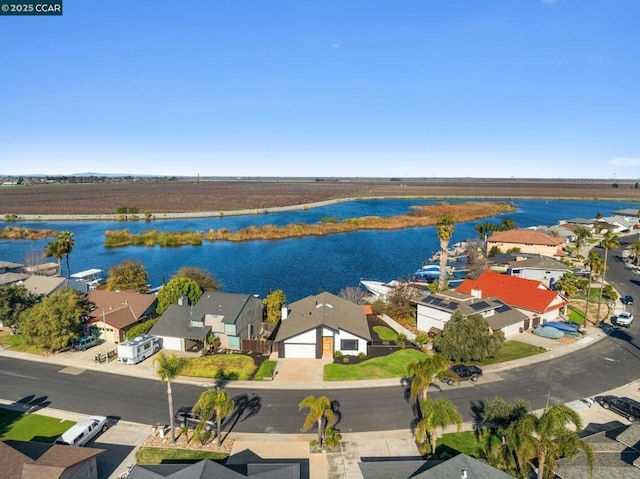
(527, 241)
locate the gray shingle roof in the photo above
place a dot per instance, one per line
(228, 305)
(451, 468)
(209, 469)
(324, 309)
(43, 285)
(541, 262)
(174, 323)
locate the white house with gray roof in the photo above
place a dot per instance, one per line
(541, 268)
(435, 310)
(321, 325)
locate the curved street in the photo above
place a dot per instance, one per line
(604, 365)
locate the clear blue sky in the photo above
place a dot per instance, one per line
(410, 88)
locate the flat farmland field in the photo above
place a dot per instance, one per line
(217, 195)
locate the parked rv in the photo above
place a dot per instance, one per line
(138, 349)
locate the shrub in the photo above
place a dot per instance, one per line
(345, 359)
(10, 217)
(332, 437)
(337, 354)
(142, 328)
(362, 356)
(401, 340)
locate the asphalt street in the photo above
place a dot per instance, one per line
(602, 366)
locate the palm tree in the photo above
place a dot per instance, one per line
(582, 234)
(423, 373)
(548, 438)
(436, 414)
(445, 228)
(594, 262)
(53, 250)
(508, 224)
(167, 368)
(483, 229)
(609, 240)
(66, 242)
(319, 410)
(213, 403)
(635, 251)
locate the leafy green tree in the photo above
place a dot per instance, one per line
(635, 250)
(422, 373)
(567, 283)
(206, 281)
(273, 304)
(547, 438)
(54, 323)
(582, 234)
(609, 241)
(436, 414)
(213, 403)
(445, 228)
(129, 275)
(167, 368)
(320, 413)
(14, 299)
(468, 339)
(176, 289)
(495, 250)
(142, 328)
(66, 242)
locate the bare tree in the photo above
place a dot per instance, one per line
(352, 293)
(476, 261)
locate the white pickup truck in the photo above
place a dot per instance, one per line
(623, 319)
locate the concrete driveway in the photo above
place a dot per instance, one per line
(300, 370)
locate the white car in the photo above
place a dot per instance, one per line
(623, 319)
(83, 431)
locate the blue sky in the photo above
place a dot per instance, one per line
(411, 88)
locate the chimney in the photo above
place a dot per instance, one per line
(464, 474)
(182, 301)
(476, 293)
(285, 312)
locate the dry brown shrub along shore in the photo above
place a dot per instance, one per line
(198, 198)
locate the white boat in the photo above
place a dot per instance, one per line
(427, 273)
(380, 290)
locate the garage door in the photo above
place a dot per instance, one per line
(300, 351)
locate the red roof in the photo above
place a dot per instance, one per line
(518, 292)
(525, 237)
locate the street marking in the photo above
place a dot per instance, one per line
(609, 359)
(71, 370)
(11, 373)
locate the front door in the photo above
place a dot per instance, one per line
(327, 346)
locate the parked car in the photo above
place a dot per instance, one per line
(185, 417)
(85, 342)
(581, 272)
(464, 373)
(624, 406)
(623, 319)
(627, 300)
(83, 431)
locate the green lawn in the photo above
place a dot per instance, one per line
(31, 427)
(392, 366)
(158, 455)
(385, 334)
(576, 315)
(265, 371)
(14, 342)
(513, 350)
(229, 366)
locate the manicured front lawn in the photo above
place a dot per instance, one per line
(393, 365)
(266, 369)
(452, 444)
(576, 315)
(158, 455)
(31, 427)
(513, 350)
(385, 334)
(229, 366)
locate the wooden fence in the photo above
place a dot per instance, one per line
(262, 347)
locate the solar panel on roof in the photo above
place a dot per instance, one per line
(479, 306)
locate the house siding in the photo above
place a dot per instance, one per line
(544, 250)
(362, 344)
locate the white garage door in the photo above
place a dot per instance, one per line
(173, 344)
(300, 351)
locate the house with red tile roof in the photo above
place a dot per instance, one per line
(527, 241)
(529, 296)
(118, 311)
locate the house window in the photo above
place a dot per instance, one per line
(349, 344)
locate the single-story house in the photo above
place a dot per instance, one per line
(229, 317)
(537, 301)
(540, 268)
(617, 456)
(435, 310)
(627, 213)
(44, 285)
(616, 224)
(50, 268)
(460, 466)
(527, 241)
(118, 311)
(11, 272)
(321, 325)
(26, 460)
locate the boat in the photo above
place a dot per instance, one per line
(548, 332)
(427, 273)
(564, 327)
(379, 289)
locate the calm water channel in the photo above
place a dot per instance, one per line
(297, 266)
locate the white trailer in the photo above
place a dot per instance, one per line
(138, 349)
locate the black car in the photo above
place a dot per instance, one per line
(464, 372)
(184, 417)
(627, 300)
(624, 406)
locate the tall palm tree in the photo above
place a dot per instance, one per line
(66, 241)
(423, 373)
(635, 251)
(319, 411)
(609, 240)
(582, 234)
(548, 437)
(436, 414)
(445, 228)
(483, 229)
(508, 224)
(54, 250)
(594, 262)
(167, 368)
